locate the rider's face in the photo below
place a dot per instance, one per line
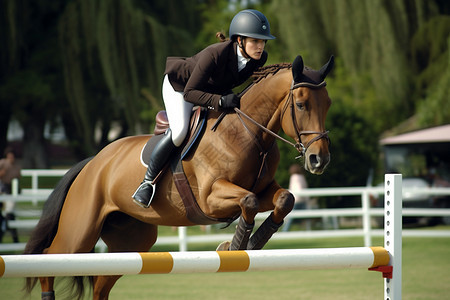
(253, 47)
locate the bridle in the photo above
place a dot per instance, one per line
(320, 134)
(301, 148)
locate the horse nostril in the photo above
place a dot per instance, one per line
(314, 160)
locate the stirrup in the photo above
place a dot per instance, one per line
(145, 203)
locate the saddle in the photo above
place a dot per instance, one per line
(196, 130)
(198, 120)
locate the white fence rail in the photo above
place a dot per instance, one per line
(36, 195)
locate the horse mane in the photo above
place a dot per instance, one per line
(263, 72)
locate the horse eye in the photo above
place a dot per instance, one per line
(300, 105)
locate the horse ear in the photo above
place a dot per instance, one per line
(327, 67)
(297, 68)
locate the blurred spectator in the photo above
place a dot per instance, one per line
(9, 169)
(438, 181)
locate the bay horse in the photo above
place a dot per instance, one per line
(231, 174)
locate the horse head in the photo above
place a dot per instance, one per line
(304, 112)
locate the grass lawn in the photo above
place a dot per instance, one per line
(426, 275)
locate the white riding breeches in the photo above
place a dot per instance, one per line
(178, 111)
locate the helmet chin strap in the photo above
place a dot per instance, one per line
(241, 45)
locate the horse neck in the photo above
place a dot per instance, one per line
(262, 103)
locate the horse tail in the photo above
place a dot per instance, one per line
(45, 231)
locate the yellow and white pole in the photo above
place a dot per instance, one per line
(42, 265)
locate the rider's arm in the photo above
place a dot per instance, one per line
(194, 90)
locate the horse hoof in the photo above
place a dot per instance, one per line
(224, 246)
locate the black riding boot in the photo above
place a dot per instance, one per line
(159, 157)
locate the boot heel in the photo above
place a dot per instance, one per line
(141, 204)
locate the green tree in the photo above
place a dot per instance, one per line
(384, 50)
(29, 73)
(95, 63)
(90, 63)
(431, 52)
(114, 58)
(372, 39)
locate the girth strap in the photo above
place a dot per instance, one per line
(193, 211)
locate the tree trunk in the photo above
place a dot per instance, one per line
(35, 154)
(5, 116)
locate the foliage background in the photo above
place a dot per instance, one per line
(91, 66)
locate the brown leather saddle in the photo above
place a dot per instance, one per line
(196, 130)
(198, 120)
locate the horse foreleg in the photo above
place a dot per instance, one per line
(227, 196)
(242, 235)
(47, 292)
(263, 234)
(283, 202)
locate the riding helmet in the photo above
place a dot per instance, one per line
(250, 23)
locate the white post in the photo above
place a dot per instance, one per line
(366, 218)
(34, 182)
(34, 186)
(182, 238)
(393, 234)
(15, 187)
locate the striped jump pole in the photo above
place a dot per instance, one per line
(386, 259)
(48, 265)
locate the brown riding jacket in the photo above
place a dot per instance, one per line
(209, 74)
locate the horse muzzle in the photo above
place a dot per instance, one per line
(315, 163)
(316, 152)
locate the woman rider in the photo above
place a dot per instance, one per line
(206, 79)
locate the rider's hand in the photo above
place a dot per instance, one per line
(229, 101)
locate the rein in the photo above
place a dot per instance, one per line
(241, 113)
